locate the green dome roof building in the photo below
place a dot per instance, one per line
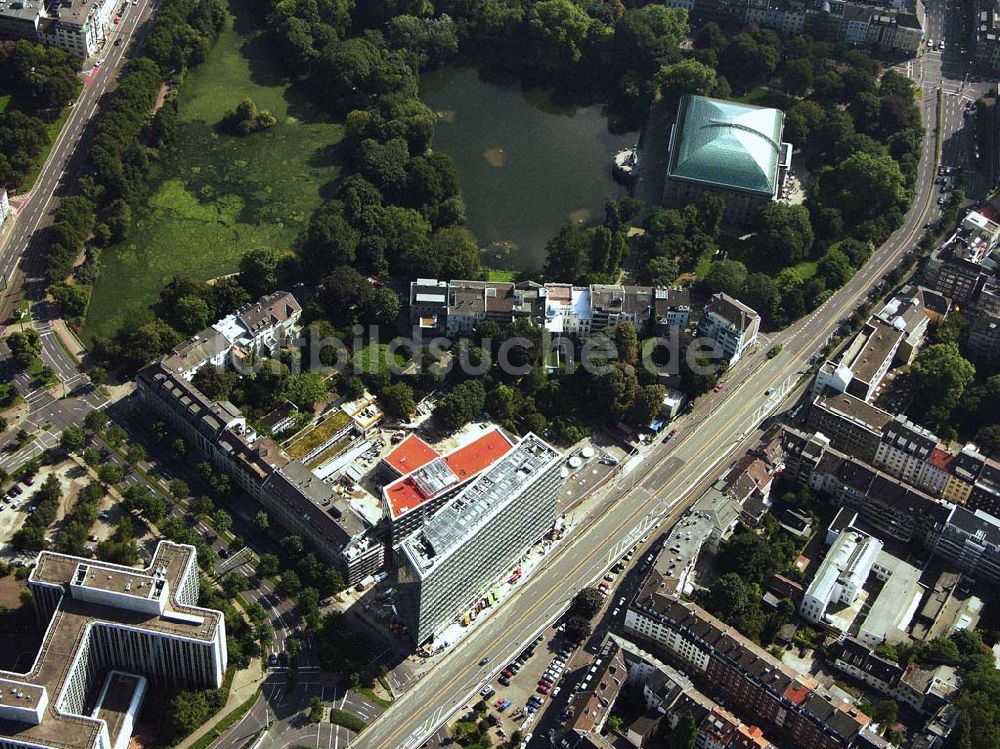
(729, 149)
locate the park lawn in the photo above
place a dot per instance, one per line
(807, 269)
(216, 197)
(501, 276)
(4, 102)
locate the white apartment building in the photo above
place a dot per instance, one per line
(253, 330)
(101, 617)
(477, 536)
(732, 324)
(841, 575)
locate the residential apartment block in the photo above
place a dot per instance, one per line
(109, 629)
(960, 268)
(732, 324)
(284, 486)
(727, 665)
(970, 540)
(80, 27)
(456, 307)
(986, 33)
(477, 535)
(888, 26)
(922, 688)
(851, 424)
(861, 366)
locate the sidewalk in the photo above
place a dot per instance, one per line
(68, 338)
(245, 683)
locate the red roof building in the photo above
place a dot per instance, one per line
(435, 480)
(409, 455)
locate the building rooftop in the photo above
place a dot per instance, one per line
(603, 681)
(728, 144)
(435, 476)
(737, 314)
(896, 602)
(463, 515)
(72, 619)
(880, 342)
(854, 410)
(410, 454)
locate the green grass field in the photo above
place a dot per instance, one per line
(4, 102)
(500, 276)
(215, 197)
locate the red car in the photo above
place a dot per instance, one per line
(542, 689)
(718, 387)
(673, 433)
(507, 672)
(117, 19)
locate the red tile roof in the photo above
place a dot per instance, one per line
(941, 459)
(404, 494)
(410, 454)
(797, 692)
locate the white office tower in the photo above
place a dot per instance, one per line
(109, 630)
(477, 536)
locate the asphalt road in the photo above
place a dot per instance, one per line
(662, 486)
(23, 249)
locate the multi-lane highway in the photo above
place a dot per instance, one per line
(664, 483)
(22, 253)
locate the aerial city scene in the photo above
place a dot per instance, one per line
(587, 374)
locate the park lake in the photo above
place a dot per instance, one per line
(526, 164)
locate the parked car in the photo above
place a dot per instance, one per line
(504, 680)
(487, 692)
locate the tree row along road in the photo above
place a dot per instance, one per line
(670, 471)
(24, 248)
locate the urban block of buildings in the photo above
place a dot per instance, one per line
(730, 150)
(793, 708)
(109, 630)
(80, 27)
(890, 337)
(888, 26)
(667, 694)
(456, 307)
(285, 485)
(477, 535)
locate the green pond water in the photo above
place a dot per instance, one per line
(527, 165)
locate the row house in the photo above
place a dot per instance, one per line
(895, 508)
(456, 307)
